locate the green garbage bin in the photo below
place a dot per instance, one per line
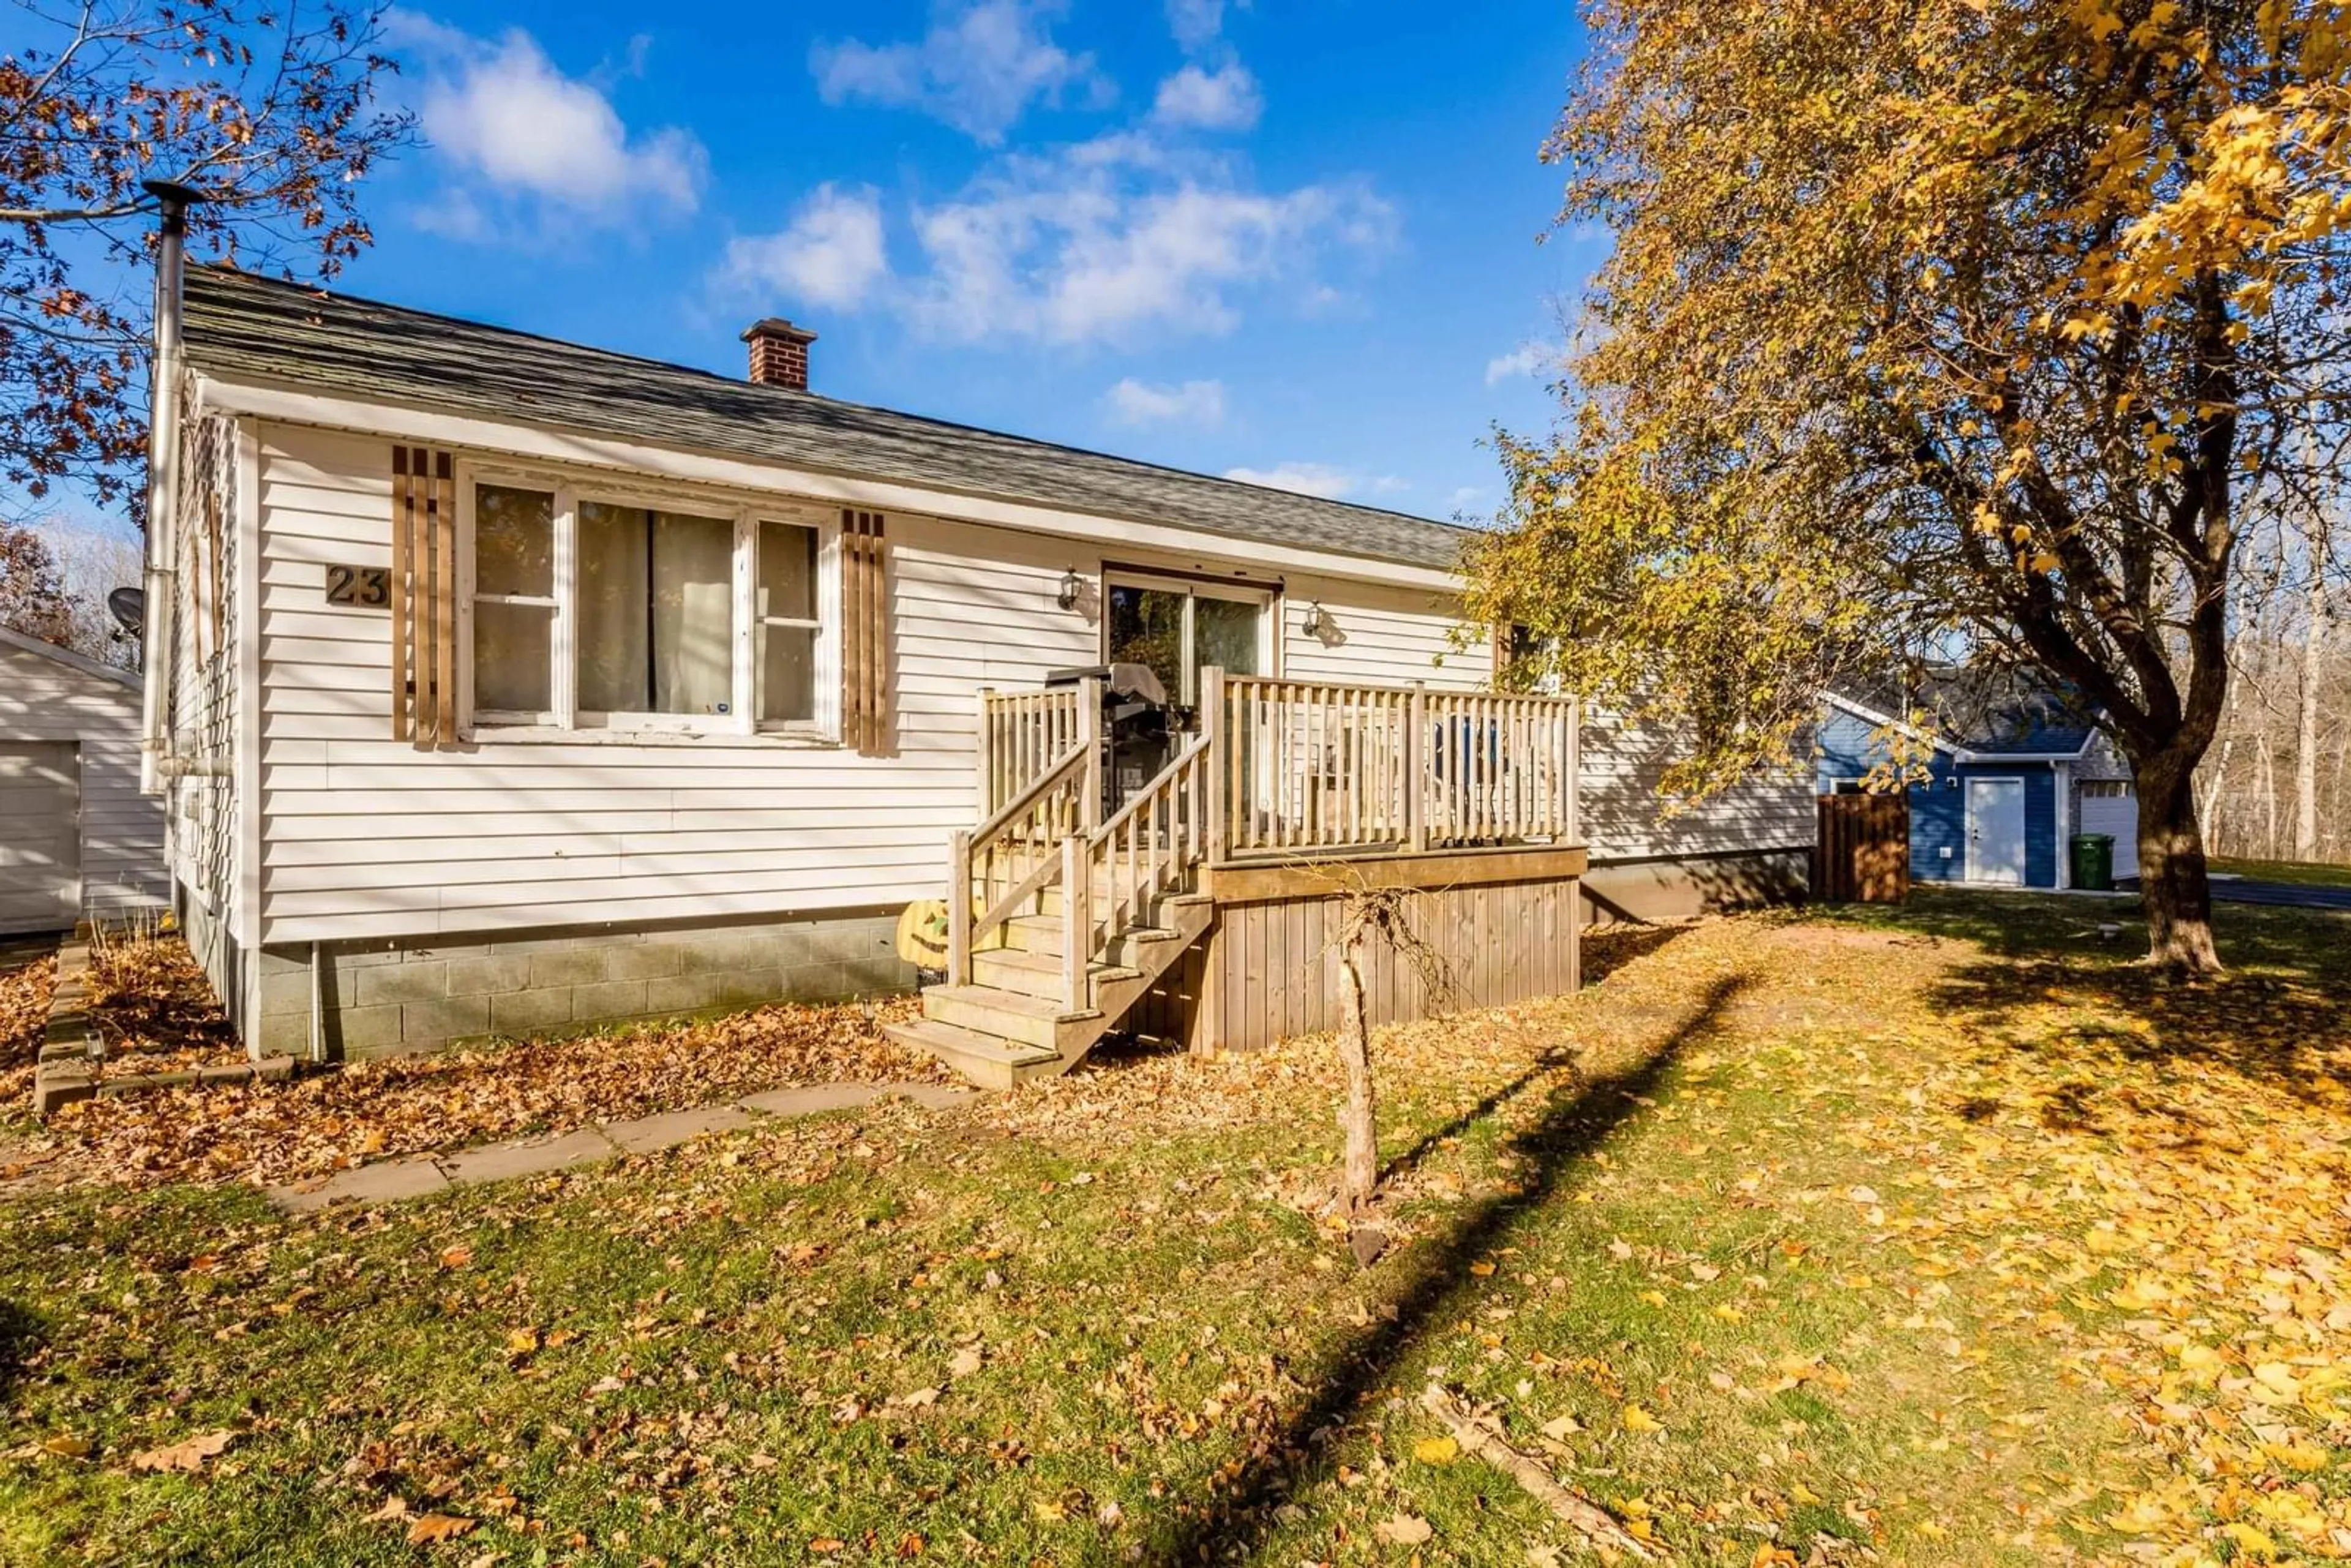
(2093, 862)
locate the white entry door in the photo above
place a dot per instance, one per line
(40, 836)
(1996, 830)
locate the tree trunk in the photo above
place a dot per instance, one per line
(1360, 1175)
(2305, 727)
(2171, 871)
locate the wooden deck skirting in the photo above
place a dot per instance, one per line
(1252, 882)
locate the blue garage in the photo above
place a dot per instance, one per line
(1998, 803)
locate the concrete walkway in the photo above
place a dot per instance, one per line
(389, 1181)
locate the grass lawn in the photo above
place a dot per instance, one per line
(1930, 1236)
(2304, 873)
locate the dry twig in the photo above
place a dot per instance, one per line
(1481, 1434)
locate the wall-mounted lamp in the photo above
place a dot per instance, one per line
(1072, 587)
(1318, 622)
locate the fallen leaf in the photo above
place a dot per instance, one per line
(67, 1446)
(189, 1454)
(1636, 1419)
(1403, 1530)
(964, 1363)
(1437, 1450)
(456, 1257)
(432, 1526)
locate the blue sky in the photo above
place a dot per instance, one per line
(1289, 239)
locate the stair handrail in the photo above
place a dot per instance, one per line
(977, 846)
(1163, 830)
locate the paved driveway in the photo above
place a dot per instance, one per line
(2278, 895)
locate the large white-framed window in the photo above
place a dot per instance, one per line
(596, 607)
(1178, 626)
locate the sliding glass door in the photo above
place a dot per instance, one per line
(1179, 628)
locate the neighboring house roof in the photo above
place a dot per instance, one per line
(242, 327)
(1975, 718)
(68, 657)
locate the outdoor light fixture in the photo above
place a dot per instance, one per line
(1072, 585)
(1318, 622)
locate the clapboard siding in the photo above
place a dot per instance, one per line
(363, 836)
(45, 699)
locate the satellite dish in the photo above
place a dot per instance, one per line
(129, 608)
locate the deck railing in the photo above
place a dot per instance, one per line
(1307, 767)
(1148, 847)
(997, 867)
(1022, 733)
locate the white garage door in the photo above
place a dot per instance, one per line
(40, 836)
(2109, 807)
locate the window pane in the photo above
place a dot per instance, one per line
(614, 590)
(1227, 633)
(514, 541)
(1146, 627)
(693, 606)
(788, 571)
(512, 664)
(787, 674)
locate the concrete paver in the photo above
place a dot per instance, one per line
(668, 1128)
(503, 1162)
(387, 1182)
(392, 1180)
(814, 1099)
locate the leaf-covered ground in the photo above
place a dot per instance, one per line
(1941, 1236)
(27, 972)
(153, 1006)
(270, 1133)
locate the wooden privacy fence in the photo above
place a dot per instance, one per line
(1861, 852)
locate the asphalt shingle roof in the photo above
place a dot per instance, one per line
(1995, 715)
(240, 326)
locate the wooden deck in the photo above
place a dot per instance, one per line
(1202, 909)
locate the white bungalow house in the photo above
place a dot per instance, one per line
(535, 687)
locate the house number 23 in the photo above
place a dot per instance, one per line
(359, 587)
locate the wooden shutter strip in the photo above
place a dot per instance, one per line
(403, 511)
(445, 599)
(424, 596)
(865, 632)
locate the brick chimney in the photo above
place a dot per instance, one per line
(779, 353)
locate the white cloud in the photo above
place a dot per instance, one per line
(1225, 98)
(1110, 237)
(504, 113)
(1195, 22)
(830, 254)
(1465, 498)
(1305, 478)
(1526, 360)
(981, 66)
(1192, 403)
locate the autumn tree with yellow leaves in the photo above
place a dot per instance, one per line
(1973, 326)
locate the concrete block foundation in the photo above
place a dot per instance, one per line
(396, 996)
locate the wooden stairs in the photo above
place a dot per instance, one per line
(1014, 1021)
(1056, 926)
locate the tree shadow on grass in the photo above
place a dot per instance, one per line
(1437, 1278)
(2282, 1017)
(20, 1336)
(1603, 954)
